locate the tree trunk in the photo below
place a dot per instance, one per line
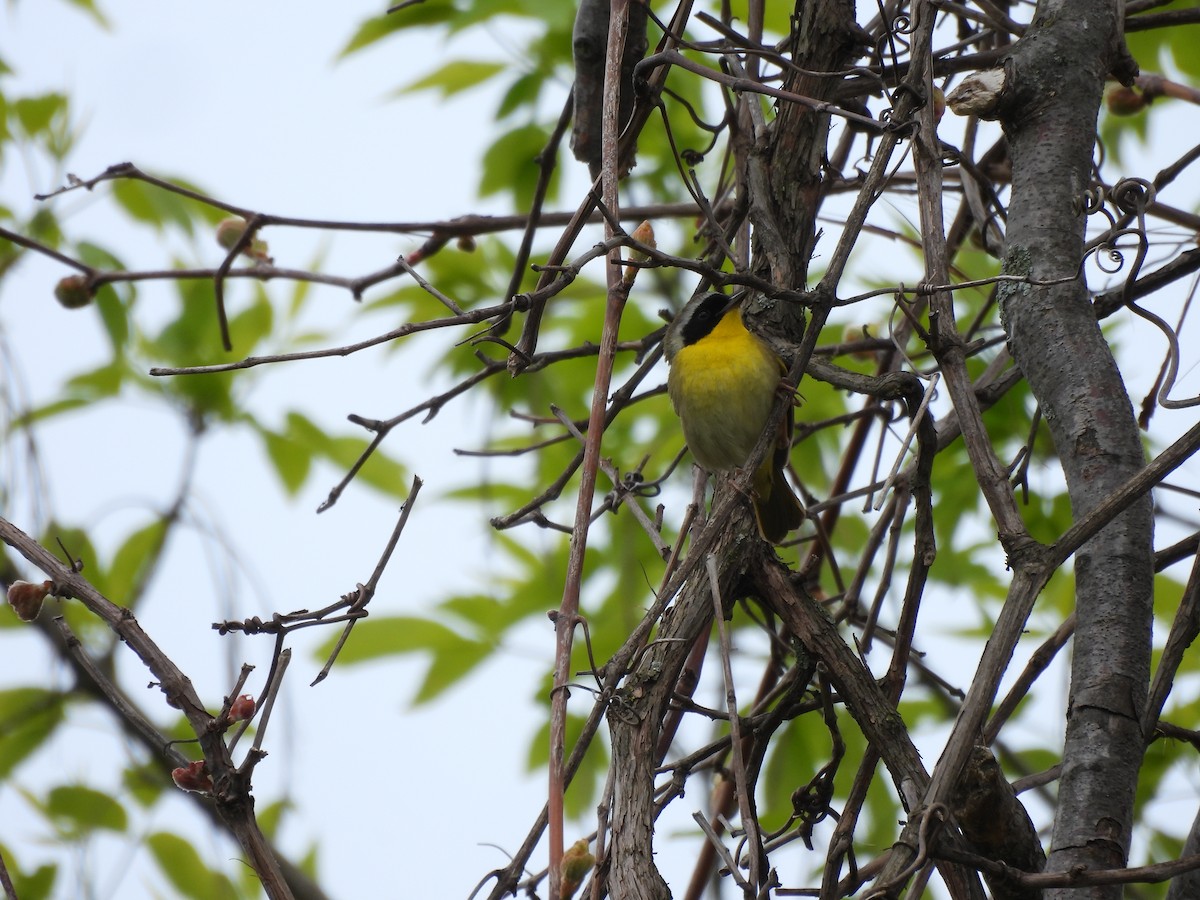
(1050, 121)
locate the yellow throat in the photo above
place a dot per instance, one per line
(722, 384)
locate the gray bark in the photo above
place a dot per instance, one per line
(636, 714)
(1056, 74)
(1187, 885)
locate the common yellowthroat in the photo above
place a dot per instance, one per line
(722, 384)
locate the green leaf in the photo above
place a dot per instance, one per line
(522, 93)
(292, 459)
(1148, 45)
(308, 862)
(144, 782)
(454, 77)
(78, 810)
(43, 226)
(185, 869)
(1182, 42)
(510, 164)
(92, 10)
(796, 751)
(132, 560)
(379, 471)
(28, 716)
(36, 113)
(35, 885)
(482, 610)
(99, 383)
(301, 428)
(269, 816)
(159, 207)
(380, 27)
(453, 656)
(381, 636)
(451, 666)
(134, 196)
(112, 301)
(302, 290)
(98, 257)
(114, 315)
(251, 325)
(580, 798)
(81, 390)
(49, 411)
(556, 16)
(1168, 594)
(193, 338)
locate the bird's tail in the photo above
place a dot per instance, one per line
(776, 508)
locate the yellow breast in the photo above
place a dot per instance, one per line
(723, 387)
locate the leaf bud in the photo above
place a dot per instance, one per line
(576, 863)
(242, 708)
(230, 231)
(643, 234)
(193, 777)
(26, 598)
(1123, 101)
(73, 292)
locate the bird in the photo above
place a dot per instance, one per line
(722, 383)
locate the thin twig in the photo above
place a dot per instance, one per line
(366, 591)
(745, 795)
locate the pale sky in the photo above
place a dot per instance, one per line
(247, 101)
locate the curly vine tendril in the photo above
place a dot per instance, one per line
(1132, 197)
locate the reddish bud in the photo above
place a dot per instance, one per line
(242, 708)
(73, 292)
(643, 234)
(1123, 101)
(26, 598)
(193, 777)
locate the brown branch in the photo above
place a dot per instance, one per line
(471, 317)
(749, 85)
(6, 883)
(1169, 19)
(745, 789)
(1078, 877)
(1120, 499)
(92, 680)
(1184, 630)
(462, 226)
(618, 292)
(1039, 660)
(366, 591)
(547, 160)
(231, 788)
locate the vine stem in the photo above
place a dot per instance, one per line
(618, 292)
